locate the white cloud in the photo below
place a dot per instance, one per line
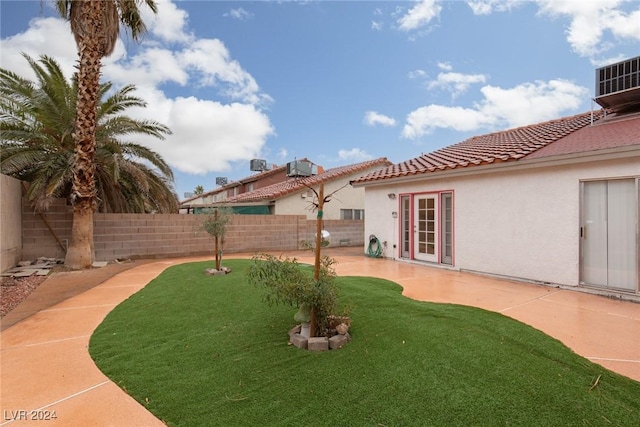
(601, 62)
(456, 83)
(168, 24)
(207, 134)
(46, 36)
(143, 69)
(532, 102)
(590, 21)
(372, 118)
(501, 108)
(415, 74)
(377, 26)
(283, 153)
(486, 7)
(445, 66)
(240, 14)
(212, 61)
(354, 155)
(420, 15)
(425, 119)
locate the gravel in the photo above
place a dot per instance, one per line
(14, 290)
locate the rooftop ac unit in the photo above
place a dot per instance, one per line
(618, 85)
(258, 165)
(221, 180)
(299, 168)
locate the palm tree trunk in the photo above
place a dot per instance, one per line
(80, 251)
(91, 49)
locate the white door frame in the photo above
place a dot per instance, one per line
(426, 227)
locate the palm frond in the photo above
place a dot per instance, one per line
(37, 123)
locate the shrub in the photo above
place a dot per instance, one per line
(288, 282)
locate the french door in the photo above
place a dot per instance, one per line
(609, 234)
(427, 227)
(425, 230)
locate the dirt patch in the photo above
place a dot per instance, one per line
(14, 290)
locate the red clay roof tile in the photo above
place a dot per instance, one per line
(612, 131)
(504, 146)
(280, 189)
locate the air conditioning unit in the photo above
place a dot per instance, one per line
(300, 168)
(258, 165)
(618, 85)
(221, 180)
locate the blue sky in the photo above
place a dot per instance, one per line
(341, 82)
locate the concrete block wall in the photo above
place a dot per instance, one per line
(118, 236)
(121, 236)
(46, 234)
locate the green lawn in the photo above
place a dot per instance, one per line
(201, 350)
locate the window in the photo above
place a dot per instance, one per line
(250, 187)
(352, 214)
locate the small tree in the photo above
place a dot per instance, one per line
(287, 282)
(198, 190)
(215, 223)
(314, 296)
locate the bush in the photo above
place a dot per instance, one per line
(288, 282)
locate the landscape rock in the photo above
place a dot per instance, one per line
(299, 341)
(338, 341)
(295, 330)
(318, 344)
(342, 329)
(215, 272)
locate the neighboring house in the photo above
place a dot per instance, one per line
(554, 202)
(295, 195)
(272, 175)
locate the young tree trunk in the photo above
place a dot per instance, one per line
(316, 271)
(217, 254)
(217, 247)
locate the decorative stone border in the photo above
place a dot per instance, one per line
(335, 342)
(214, 272)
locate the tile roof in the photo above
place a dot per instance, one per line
(251, 178)
(612, 131)
(289, 186)
(504, 146)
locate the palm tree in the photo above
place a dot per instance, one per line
(198, 190)
(37, 120)
(95, 26)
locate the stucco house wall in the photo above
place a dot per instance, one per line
(521, 222)
(345, 197)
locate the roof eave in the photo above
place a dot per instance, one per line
(521, 164)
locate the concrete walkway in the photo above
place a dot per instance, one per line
(46, 368)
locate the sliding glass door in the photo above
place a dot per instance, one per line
(609, 234)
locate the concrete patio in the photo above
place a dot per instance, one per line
(46, 366)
